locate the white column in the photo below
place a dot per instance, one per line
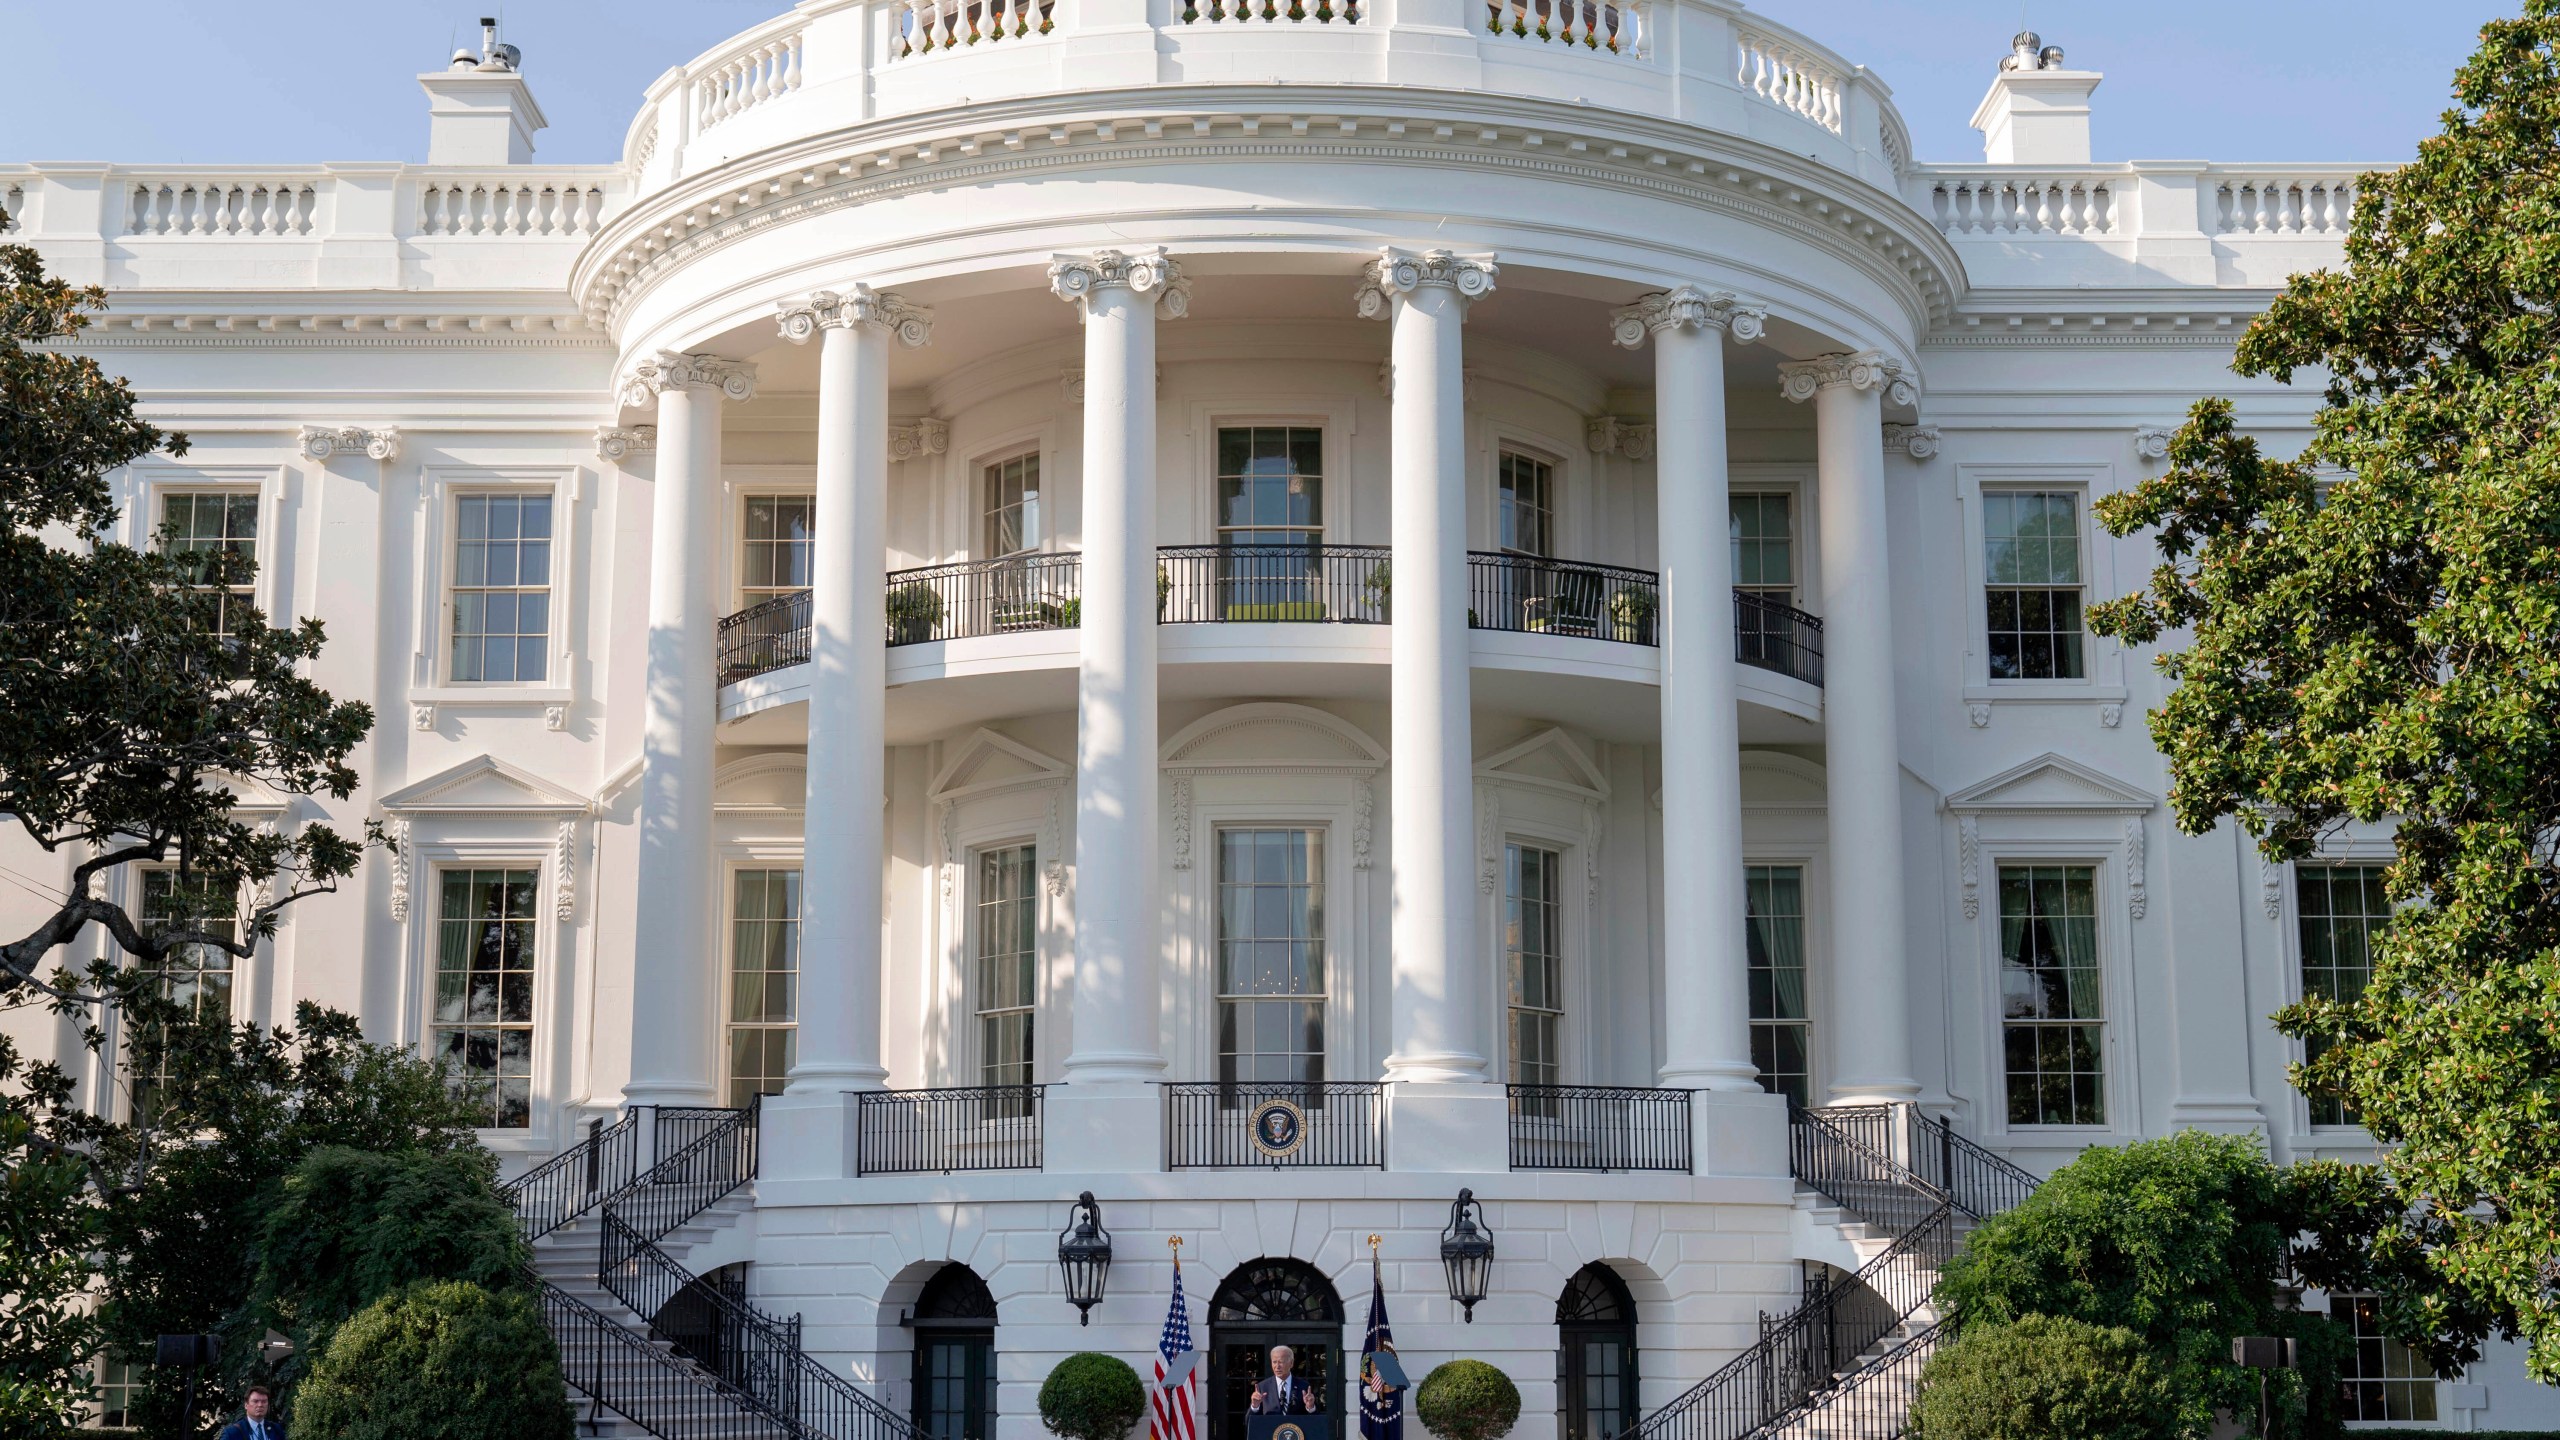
(840, 894)
(675, 956)
(1117, 1021)
(1438, 969)
(1706, 956)
(1871, 1035)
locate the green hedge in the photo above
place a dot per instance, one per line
(1467, 1400)
(2047, 1377)
(438, 1361)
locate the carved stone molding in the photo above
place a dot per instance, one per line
(1969, 865)
(1488, 839)
(1181, 790)
(1920, 442)
(555, 717)
(1053, 844)
(1609, 434)
(928, 436)
(564, 855)
(1401, 272)
(1074, 278)
(2270, 884)
(2151, 442)
(2111, 715)
(652, 375)
(1980, 715)
(422, 716)
(320, 442)
(1364, 810)
(617, 443)
(857, 304)
(396, 831)
(1798, 380)
(1686, 307)
(2137, 892)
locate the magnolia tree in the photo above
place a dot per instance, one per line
(2373, 635)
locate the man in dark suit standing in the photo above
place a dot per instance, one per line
(254, 1422)
(1285, 1393)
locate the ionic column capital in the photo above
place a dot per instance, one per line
(856, 305)
(319, 442)
(930, 435)
(1687, 307)
(1074, 278)
(653, 375)
(1862, 370)
(616, 443)
(1401, 272)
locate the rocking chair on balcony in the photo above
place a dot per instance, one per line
(1572, 605)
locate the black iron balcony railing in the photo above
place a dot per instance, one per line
(1307, 584)
(965, 1127)
(1773, 635)
(1530, 593)
(765, 636)
(985, 597)
(1212, 1125)
(1599, 1127)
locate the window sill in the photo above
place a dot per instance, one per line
(492, 694)
(1981, 699)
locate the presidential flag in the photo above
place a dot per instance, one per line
(1381, 1376)
(1174, 1400)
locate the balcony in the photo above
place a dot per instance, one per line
(1300, 584)
(1214, 1125)
(1599, 1127)
(936, 1132)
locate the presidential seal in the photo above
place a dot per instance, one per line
(1279, 1128)
(1288, 1430)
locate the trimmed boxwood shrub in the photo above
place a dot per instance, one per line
(2045, 1376)
(1467, 1400)
(438, 1361)
(1092, 1397)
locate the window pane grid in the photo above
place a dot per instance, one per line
(2380, 1378)
(1533, 942)
(779, 535)
(1013, 505)
(501, 588)
(1781, 1025)
(203, 522)
(1527, 504)
(2053, 1031)
(764, 982)
(1271, 956)
(2032, 586)
(1270, 485)
(486, 945)
(1764, 559)
(1008, 944)
(2338, 908)
(195, 978)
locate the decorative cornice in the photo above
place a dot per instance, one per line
(1920, 442)
(928, 436)
(1687, 307)
(319, 442)
(1074, 278)
(2151, 442)
(1862, 370)
(1401, 272)
(652, 375)
(617, 443)
(857, 304)
(1608, 434)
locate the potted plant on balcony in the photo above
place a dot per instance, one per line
(914, 611)
(1631, 615)
(1164, 589)
(1380, 587)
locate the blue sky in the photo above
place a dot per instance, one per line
(302, 80)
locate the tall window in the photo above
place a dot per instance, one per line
(501, 587)
(780, 531)
(2380, 1379)
(195, 978)
(2031, 569)
(1781, 1024)
(1271, 955)
(764, 981)
(1533, 943)
(1008, 962)
(2052, 1028)
(121, 1385)
(2339, 908)
(208, 522)
(483, 1028)
(1013, 505)
(1764, 545)
(1526, 498)
(1270, 485)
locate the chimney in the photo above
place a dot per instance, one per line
(478, 109)
(2038, 111)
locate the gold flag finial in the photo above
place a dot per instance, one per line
(1175, 1244)
(1373, 1244)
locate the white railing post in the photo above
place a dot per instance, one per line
(2165, 209)
(71, 210)
(363, 214)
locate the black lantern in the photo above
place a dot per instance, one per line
(1466, 1249)
(1084, 1256)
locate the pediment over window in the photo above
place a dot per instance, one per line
(988, 762)
(1773, 780)
(762, 783)
(1274, 736)
(1548, 760)
(2051, 782)
(484, 785)
(253, 799)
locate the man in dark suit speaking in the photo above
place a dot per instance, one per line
(1285, 1393)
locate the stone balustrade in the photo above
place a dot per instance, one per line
(2138, 222)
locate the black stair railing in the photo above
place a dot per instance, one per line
(646, 1383)
(1981, 1183)
(600, 1166)
(1844, 1157)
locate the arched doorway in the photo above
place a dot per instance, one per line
(1595, 1355)
(955, 1365)
(1267, 1302)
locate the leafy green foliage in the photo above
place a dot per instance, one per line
(2179, 1242)
(2044, 1376)
(2392, 654)
(351, 1226)
(441, 1360)
(1467, 1400)
(47, 1335)
(1092, 1397)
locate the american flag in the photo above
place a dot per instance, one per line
(1174, 1406)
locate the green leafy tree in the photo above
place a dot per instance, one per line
(48, 1219)
(1467, 1400)
(2386, 648)
(2047, 1377)
(1091, 1397)
(442, 1360)
(2179, 1242)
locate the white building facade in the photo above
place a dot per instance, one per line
(1022, 579)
